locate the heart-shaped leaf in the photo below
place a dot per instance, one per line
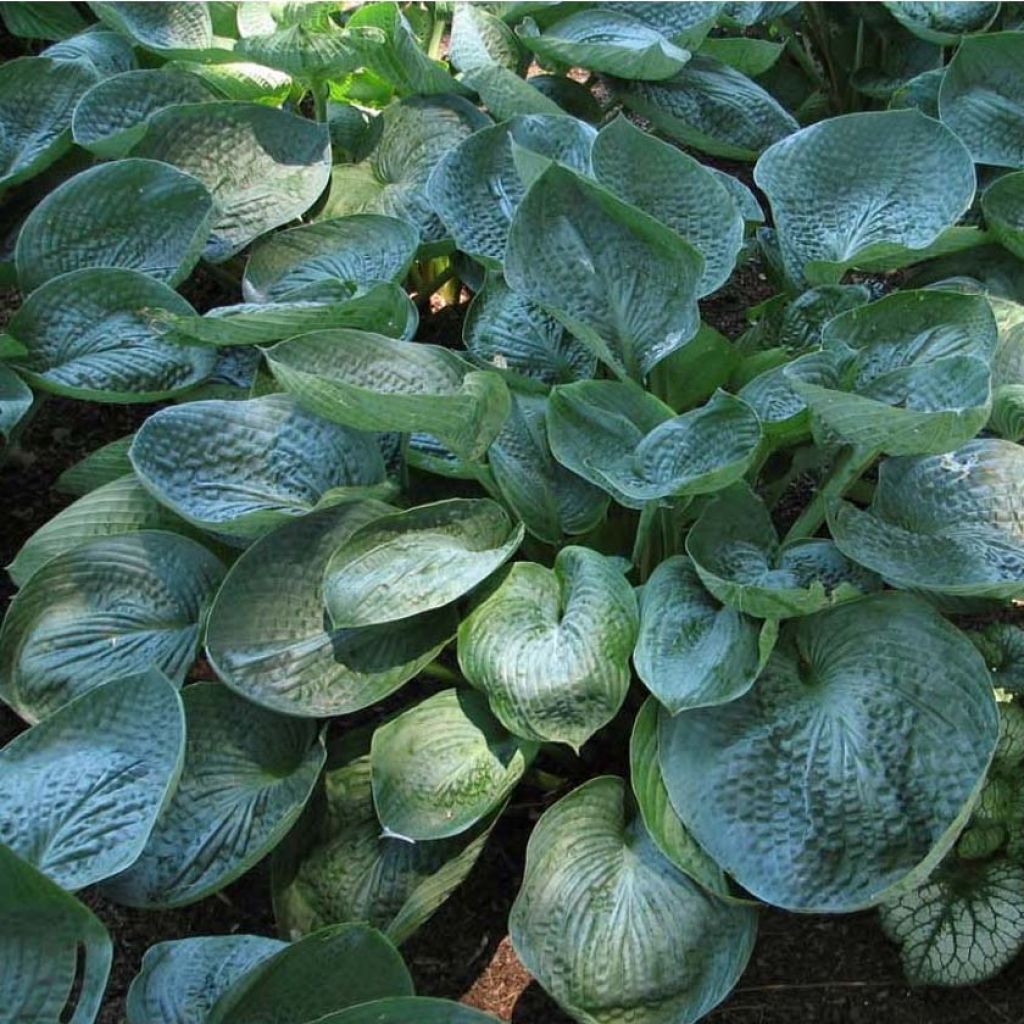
(108, 53)
(550, 647)
(410, 1010)
(15, 400)
(321, 51)
(507, 95)
(163, 28)
(1003, 206)
(879, 749)
(480, 39)
(943, 23)
(102, 466)
(80, 792)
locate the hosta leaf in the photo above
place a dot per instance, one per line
(508, 332)
(89, 335)
(674, 188)
(751, 57)
(623, 283)
(839, 191)
(242, 80)
(849, 768)
(37, 98)
(263, 167)
(179, 981)
(1003, 206)
(108, 53)
(267, 637)
(410, 1010)
(343, 867)
(922, 92)
(614, 931)
(692, 652)
(363, 249)
(54, 954)
(336, 967)
(908, 374)
(371, 382)
(241, 468)
(303, 51)
(476, 187)
(507, 95)
(712, 107)
(102, 466)
(782, 412)
(943, 23)
(480, 39)
(417, 132)
(687, 21)
(964, 925)
(443, 765)
(111, 117)
(163, 28)
(405, 563)
(606, 41)
(136, 214)
(573, 97)
(550, 647)
(108, 608)
(659, 818)
(548, 498)
(628, 443)
(737, 555)
(15, 400)
(79, 793)
(121, 506)
(42, 20)
(1002, 646)
(948, 523)
(246, 777)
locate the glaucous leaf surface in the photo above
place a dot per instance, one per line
(477, 186)
(42, 20)
(849, 768)
(15, 400)
(371, 382)
(363, 249)
(656, 810)
(751, 57)
(943, 23)
(608, 41)
(687, 20)
(410, 1010)
(620, 281)
(839, 190)
(417, 132)
(507, 95)
(320, 51)
(1003, 206)
(268, 637)
(37, 98)
(159, 27)
(239, 468)
(550, 647)
(180, 980)
(628, 443)
(1002, 646)
(712, 107)
(108, 53)
(692, 651)
(246, 776)
(407, 563)
(111, 117)
(111, 607)
(549, 499)
(344, 965)
(89, 334)
(909, 374)
(738, 557)
(506, 331)
(675, 189)
(613, 930)
(479, 39)
(49, 942)
(121, 506)
(263, 167)
(80, 792)
(242, 81)
(950, 524)
(137, 214)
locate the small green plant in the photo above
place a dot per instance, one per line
(745, 572)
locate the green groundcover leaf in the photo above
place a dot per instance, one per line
(80, 792)
(611, 928)
(410, 562)
(507, 95)
(42, 20)
(137, 214)
(628, 443)
(269, 640)
(623, 283)
(1003, 206)
(102, 466)
(239, 468)
(443, 765)
(877, 194)
(738, 557)
(160, 27)
(371, 382)
(878, 751)
(15, 400)
(246, 777)
(54, 954)
(263, 167)
(89, 335)
(1002, 646)
(410, 1010)
(108, 608)
(951, 523)
(480, 39)
(550, 647)
(943, 23)
(107, 52)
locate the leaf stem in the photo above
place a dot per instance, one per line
(321, 91)
(442, 673)
(436, 38)
(642, 543)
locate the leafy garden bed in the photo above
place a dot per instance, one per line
(512, 472)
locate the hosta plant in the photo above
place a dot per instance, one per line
(461, 498)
